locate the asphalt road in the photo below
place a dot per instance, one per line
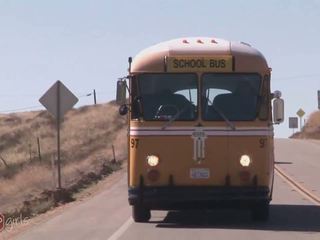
(108, 215)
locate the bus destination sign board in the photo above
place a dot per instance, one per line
(200, 64)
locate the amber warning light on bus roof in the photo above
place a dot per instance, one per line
(202, 64)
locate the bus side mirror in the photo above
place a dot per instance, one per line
(278, 108)
(123, 109)
(121, 92)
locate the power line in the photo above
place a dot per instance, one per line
(20, 109)
(40, 106)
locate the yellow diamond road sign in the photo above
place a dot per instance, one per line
(300, 112)
(58, 100)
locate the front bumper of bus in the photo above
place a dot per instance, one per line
(197, 197)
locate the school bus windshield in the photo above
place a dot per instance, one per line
(166, 96)
(233, 96)
(174, 96)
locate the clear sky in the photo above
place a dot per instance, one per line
(85, 44)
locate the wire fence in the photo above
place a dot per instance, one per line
(92, 94)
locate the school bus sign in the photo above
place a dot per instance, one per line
(200, 64)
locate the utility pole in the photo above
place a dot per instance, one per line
(94, 97)
(319, 99)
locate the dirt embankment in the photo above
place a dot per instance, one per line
(28, 150)
(311, 129)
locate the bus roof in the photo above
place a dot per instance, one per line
(246, 58)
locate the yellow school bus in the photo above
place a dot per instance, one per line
(200, 134)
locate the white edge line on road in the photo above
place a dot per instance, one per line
(117, 234)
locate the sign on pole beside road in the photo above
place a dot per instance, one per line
(293, 122)
(300, 112)
(58, 100)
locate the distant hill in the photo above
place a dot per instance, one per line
(311, 129)
(87, 136)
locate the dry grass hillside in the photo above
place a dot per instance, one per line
(311, 129)
(87, 136)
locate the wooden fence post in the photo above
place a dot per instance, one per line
(114, 154)
(39, 149)
(30, 152)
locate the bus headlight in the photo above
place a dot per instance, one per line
(152, 160)
(245, 160)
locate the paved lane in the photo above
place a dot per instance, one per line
(291, 217)
(300, 159)
(96, 218)
(107, 216)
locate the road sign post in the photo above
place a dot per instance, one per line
(58, 100)
(300, 113)
(58, 134)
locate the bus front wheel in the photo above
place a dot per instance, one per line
(140, 213)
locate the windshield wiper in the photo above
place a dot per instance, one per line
(223, 116)
(171, 120)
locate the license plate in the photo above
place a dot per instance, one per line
(199, 173)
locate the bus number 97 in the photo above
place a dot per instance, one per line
(134, 142)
